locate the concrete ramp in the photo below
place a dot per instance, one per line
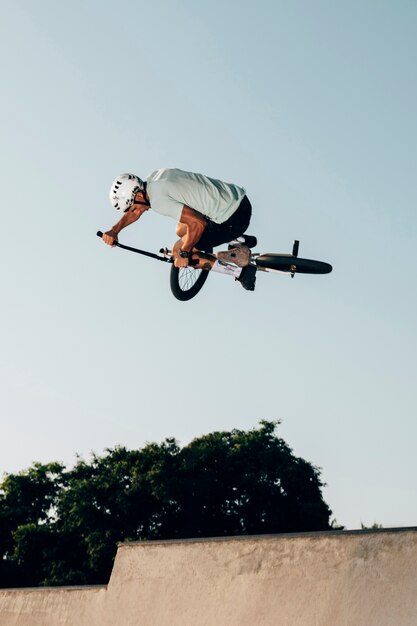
(357, 578)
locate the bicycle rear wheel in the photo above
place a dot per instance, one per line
(291, 264)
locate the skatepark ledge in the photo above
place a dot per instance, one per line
(330, 578)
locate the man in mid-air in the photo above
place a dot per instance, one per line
(209, 213)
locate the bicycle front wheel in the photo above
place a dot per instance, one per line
(291, 264)
(186, 282)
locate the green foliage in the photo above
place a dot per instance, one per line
(375, 526)
(60, 526)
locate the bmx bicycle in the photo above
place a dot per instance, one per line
(186, 282)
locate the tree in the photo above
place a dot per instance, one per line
(240, 482)
(26, 500)
(62, 526)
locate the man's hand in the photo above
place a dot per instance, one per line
(132, 215)
(110, 238)
(181, 262)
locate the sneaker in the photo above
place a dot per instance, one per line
(248, 277)
(240, 256)
(244, 240)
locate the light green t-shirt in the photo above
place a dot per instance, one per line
(170, 189)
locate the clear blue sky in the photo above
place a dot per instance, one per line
(310, 105)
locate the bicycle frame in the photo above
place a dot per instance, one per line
(186, 282)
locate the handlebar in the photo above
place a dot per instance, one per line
(143, 252)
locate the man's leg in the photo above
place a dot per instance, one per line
(207, 261)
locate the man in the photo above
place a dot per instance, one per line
(209, 212)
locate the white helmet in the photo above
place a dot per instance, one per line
(123, 191)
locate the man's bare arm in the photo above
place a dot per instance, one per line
(195, 225)
(110, 237)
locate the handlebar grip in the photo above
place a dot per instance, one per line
(99, 234)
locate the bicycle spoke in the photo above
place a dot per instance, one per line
(188, 277)
(186, 282)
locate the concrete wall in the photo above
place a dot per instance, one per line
(322, 579)
(53, 606)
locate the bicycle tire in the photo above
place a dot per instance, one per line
(186, 282)
(291, 264)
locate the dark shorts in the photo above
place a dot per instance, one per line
(216, 234)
